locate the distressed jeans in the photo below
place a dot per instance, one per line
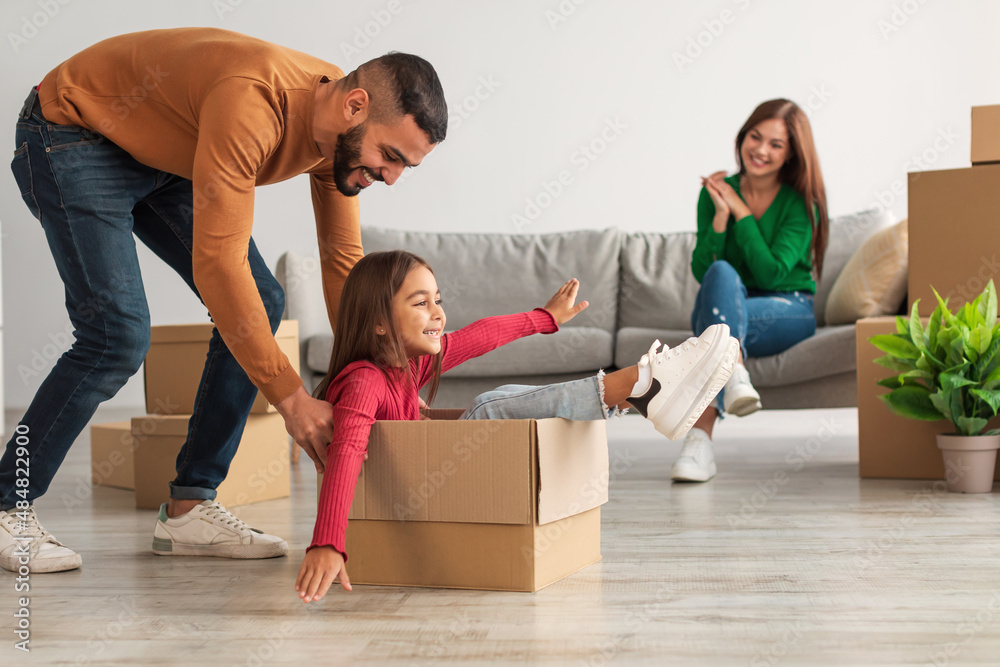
(577, 400)
(765, 323)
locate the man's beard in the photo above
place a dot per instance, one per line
(346, 158)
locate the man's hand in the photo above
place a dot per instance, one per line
(561, 304)
(310, 423)
(319, 568)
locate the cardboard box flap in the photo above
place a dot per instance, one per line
(188, 333)
(449, 470)
(572, 467)
(160, 425)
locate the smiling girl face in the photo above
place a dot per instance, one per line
(418, 315)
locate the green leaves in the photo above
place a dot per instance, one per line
(948, 369)
(896, 345)
(913, 402)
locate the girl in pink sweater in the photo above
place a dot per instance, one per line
(390, 342)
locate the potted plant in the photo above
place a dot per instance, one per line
(950, 369)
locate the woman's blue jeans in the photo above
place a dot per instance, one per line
(577, 400)
(765, 323)
(90, 197)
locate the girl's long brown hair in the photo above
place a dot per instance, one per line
(366, 303)
(801, 170)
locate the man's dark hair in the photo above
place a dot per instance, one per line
(401, 84)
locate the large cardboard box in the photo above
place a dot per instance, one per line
(511, 505)
(890, 445)
(176, 360)
(111, 455)
(259, 471)
(986, 134)
(954, 234)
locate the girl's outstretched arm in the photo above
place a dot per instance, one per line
(490, 333)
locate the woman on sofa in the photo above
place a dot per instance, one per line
(761, 232)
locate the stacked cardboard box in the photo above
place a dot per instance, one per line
(954, 246)
(509, 505)
(141, 454)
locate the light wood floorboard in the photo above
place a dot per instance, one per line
(786, 558)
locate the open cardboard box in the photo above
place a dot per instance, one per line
(511, 505)
(176, 359)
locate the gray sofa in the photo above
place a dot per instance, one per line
(639, 286)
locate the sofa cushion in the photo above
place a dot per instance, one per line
(657, 287)
(830, 351)
(496, 274)
(847, 233)
(873, 282)
(569, 350)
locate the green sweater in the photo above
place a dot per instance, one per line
(771, 254)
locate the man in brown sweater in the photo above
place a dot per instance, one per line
(164, 135)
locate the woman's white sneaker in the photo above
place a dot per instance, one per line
(696, 462)
(24, 542)
(209, 529)
(686, 379)
(739, 397)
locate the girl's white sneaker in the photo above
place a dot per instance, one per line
(685, 379)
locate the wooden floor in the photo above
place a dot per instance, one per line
(785, 558)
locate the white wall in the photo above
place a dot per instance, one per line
(887, 84)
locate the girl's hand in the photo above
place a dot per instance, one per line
(561, 307)
(319, 568)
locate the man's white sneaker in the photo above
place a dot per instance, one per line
(685, 379)
(739, 397)
(696, 462)
(23, 541)
(210, 530)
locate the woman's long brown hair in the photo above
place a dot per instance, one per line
(801, 170)
(366, 303)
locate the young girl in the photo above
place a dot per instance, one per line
(761, 232)
(390, 341)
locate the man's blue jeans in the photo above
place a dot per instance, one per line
(91, 197)
(765, 323)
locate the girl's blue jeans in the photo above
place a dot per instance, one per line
(765, 323)
(93, 199)
(578, 400)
